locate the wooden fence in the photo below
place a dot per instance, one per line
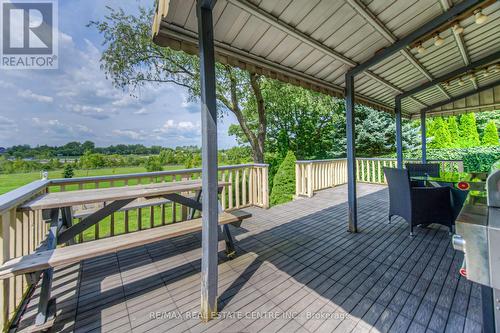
(316, 175)
(22, 233)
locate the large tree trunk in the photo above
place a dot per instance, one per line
(261, 111)
(257, 141)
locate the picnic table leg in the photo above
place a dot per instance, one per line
(67, 221)
(46, 305)
(230, 249)
(192, 211)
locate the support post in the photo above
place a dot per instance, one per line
(209, 274)
(423, 130)
(351, 153)
(399, 133)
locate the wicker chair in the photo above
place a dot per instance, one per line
(418, 205)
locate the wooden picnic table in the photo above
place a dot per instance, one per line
(81, 197)
(57, 210)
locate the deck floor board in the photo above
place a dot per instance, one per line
(297, 270)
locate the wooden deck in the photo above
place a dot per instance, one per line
(298, 270)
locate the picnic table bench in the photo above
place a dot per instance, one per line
(58, 212)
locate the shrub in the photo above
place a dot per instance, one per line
(469, 137)
(490, 134)
(284, 181)
(68, 171)
(153, 163)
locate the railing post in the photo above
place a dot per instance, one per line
(265, 187)
(309, 180)
(298, 179)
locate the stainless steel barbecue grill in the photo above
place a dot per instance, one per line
(478, 236)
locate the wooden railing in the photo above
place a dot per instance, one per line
(316, 175)
(22, 232)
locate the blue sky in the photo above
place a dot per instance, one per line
(77, 102)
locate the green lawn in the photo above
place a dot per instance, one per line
(8, 182)
(137, 218)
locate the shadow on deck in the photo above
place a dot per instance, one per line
(298, 270)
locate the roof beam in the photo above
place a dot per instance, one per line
(378, 25)
(481, 62)
(289, 30)
(415, 35)
(464, 95)
(453, 111)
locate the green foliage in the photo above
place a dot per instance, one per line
(274, 161)
(153, 163)
(68, 171)
(91, 160)
(476, 159)
(469, 137)
(301, 120)
(490, 134)
(284, 181)
(454, 132)
(480, 161)
(440, 135)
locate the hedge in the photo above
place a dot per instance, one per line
(479, 159)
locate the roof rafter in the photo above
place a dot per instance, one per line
(378, 25)
(288, 29)
(459, 40)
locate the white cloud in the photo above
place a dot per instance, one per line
(181, 126)
(130, 134)
(7, 126)
(4, 84)
(56, 128)
(28, 94)
(91, 111)
(141, 111)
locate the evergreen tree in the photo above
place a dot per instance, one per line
(441, 137)
(469, 137)
(284, 181)
(69, 171)
(454, 133)
(490, 134)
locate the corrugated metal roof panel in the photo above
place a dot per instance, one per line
(314, 43)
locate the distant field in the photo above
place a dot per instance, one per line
(9, 182)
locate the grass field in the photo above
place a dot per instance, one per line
(137, 218)
(9, 182)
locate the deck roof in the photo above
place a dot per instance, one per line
(314, 43)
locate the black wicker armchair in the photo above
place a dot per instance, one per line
(422, 170)
(418, 205)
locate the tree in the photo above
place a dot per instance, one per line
(454, 132)
(131, 60)
(92, 161)
(69, 171)
(490, 134)
(469, 137)
(297, 119)
(441, 137)
(284, 181)
(153, 163)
